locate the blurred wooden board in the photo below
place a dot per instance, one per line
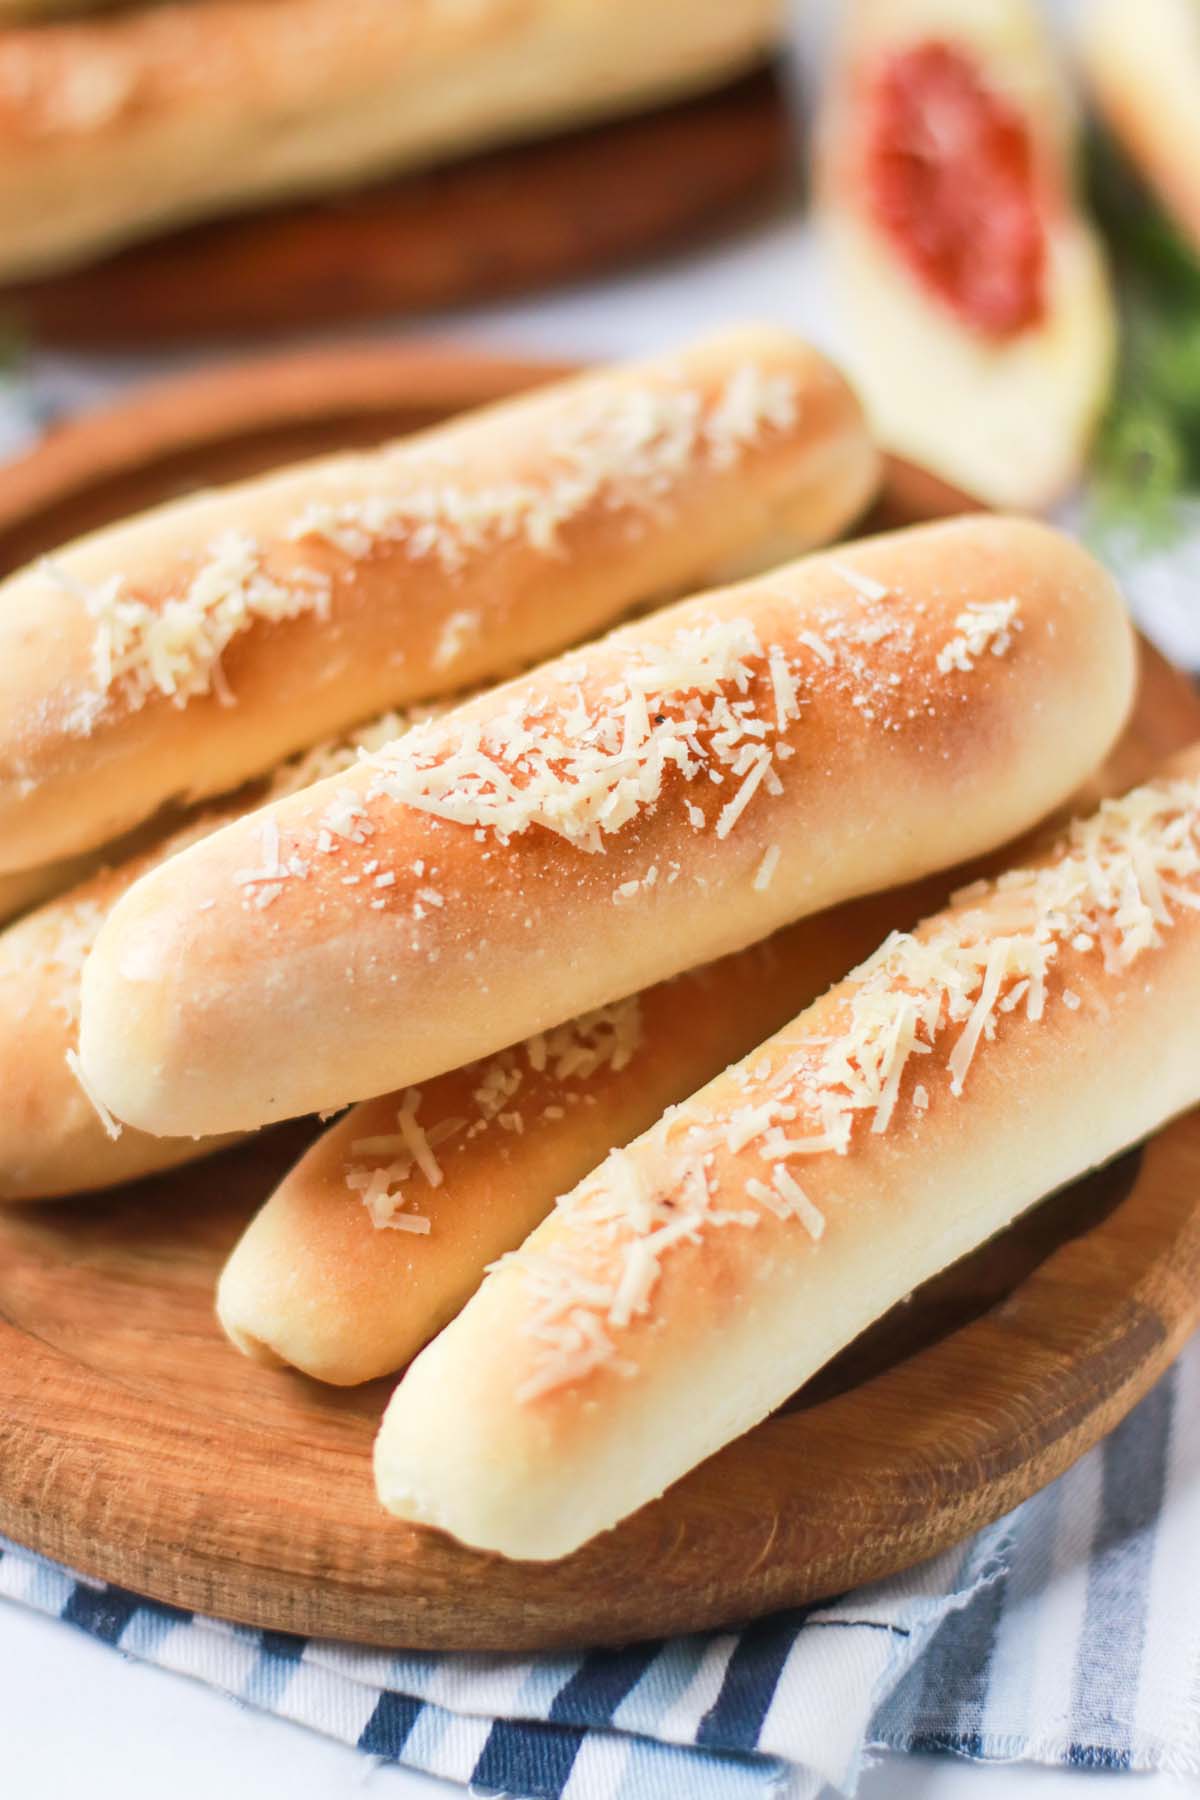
(500, 223)
(136, 1445)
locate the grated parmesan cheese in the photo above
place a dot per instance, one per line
(1108, 892)
(572, 1053)
(626, 447)
(983, 626)
(864, 585)
(712, 703)
(818, 645)
(732, 812)
(76, 926)
(335, 756)
(766, 869)
(672, 714)
(460, 631)
(173, 647)
(345, 817)
(415, 1140)
(112, 1127)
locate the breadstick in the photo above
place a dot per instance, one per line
(363, 1252)
(186, 650)
(54, 1139)
(962, 265)
(1040, 1024)
(114, 127)
(1143, 66)
(645, 805)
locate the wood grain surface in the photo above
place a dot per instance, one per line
(498, 223)
(136, 1445)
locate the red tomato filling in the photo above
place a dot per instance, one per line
(951, 179)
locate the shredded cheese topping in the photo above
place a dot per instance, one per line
(337, 755)
(621, 448)
(1108, 894)
(561, 1062)
(987, 625)
(766, 869)
(173, 648)
(585, 771)
(461, 631)
(344, 818)
(714, 704)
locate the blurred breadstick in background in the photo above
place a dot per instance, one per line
(189, 649)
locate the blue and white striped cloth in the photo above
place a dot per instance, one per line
(1069, 1634)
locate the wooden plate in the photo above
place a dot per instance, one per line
(138, 1447)
(494, 224)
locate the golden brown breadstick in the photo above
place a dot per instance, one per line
(644, 805)
(364, 1252)
(182, 652)
(113, 127)
(1143, 66)
(1040, 1024)
(54, 1139)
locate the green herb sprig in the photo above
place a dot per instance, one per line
(1147, 454)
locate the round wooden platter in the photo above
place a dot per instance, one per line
(502, 222)
(136, 1445)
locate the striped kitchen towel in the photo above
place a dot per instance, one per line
(1069, 1633)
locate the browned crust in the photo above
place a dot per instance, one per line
(306, 994)
(61, 790)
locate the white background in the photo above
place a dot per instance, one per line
(79, 1722)
(77, 1718)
